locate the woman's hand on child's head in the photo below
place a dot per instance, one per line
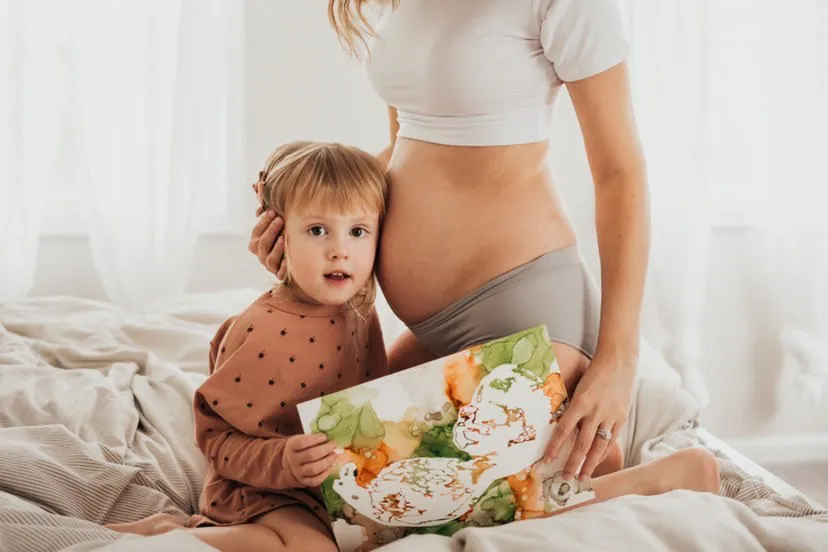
(310, 457)
(267, 243)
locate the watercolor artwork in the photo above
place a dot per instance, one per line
(453, 443)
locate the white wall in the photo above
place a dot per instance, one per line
(300, 85)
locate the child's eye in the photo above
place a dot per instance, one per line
(358, 232)
(316, 231)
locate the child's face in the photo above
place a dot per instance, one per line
(331, 253)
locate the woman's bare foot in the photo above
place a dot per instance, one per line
(692, 469)
(155, 524)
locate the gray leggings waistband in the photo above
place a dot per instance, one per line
(555, 289)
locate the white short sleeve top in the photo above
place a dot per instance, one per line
(487, 72)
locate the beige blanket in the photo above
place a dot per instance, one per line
(95, 427)
(95, 420)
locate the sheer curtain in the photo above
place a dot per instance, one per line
(731, 99)
(794, 252)
(153, 82)
(28, 109)
(670, 68)
(129, 110)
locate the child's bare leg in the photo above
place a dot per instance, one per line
(291, 528)
(152, 525)
(692, 469)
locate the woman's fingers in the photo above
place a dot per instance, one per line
(282, 272)
(564, 428)
(596, 453)
(261, 225)
(275, 257)
(586, 435)
(268, 238)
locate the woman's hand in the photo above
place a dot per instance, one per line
(267, 243)
(597, 412)
(309, 458)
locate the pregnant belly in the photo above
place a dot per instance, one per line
(437, 246)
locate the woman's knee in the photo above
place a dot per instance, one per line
(613, 460)
(571, 362)
(407, 352)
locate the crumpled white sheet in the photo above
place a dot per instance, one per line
(95, 401)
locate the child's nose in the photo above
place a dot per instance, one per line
(339, 250)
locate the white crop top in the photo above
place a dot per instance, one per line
(487, 72)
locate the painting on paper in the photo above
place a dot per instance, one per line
(453, 443)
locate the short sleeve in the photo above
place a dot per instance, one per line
(583, 37)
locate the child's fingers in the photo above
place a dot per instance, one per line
(317, 452)
(313, 470)
(298, 443)
(316, 481)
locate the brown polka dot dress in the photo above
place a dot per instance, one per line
(263, 362)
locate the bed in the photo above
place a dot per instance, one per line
(95, 428)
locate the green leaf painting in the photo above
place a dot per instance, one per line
(450, 444)
(349, 424)
(529, 350)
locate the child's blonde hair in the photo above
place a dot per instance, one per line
(348, 19)
(302, 174)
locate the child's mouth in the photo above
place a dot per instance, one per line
(337, 277)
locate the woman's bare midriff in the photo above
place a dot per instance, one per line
(460, 216)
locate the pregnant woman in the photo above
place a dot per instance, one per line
(477, 243)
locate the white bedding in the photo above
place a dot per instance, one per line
(95, 427)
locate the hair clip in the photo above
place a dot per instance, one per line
(258, 187)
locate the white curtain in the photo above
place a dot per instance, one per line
(153, 81)
(732, 99)
(670, 67)
(28, 137)
(794, 253)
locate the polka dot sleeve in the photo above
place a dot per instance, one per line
(255, 461)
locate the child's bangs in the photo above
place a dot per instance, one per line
(337, 192)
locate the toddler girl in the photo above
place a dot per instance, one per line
(313, 334)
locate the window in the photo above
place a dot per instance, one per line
(220, 204)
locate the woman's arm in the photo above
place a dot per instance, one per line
(601, 400)
(604, 109)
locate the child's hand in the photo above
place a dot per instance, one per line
(309, 458)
